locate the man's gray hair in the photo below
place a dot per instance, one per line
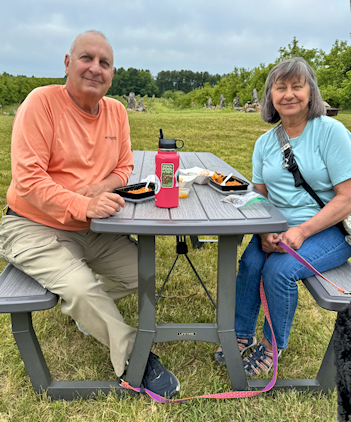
(288, 69)
(90, 31)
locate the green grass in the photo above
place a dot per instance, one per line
(73, 356)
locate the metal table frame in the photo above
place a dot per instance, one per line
(229, 234)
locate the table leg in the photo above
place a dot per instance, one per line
(227, 252)
(146, 294)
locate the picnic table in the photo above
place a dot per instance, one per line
(201, 213)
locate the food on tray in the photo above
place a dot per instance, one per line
(233, 183)
(218, 178)
(141, 190)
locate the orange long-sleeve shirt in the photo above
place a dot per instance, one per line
(57, 149)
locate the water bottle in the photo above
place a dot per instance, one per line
(167, 172)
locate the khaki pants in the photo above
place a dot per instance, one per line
(64, 261)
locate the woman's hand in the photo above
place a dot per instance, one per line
(269, 242)
(293, 237)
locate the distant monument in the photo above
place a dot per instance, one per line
(221, 101)
(236, 101)
(141, 106)
(131, 103)
(209, 102)
(254, 94)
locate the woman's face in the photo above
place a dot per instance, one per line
(291, 97)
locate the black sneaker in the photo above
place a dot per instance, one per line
(158, 379)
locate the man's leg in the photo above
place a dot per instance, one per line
(115, 259)
(55, 259)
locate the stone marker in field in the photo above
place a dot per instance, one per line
(254, 94)
(131, 103)
(141, 106)
(251, 107)
(221, 101)
(209, 102)
(236, 101)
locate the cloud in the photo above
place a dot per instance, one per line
(164, 35)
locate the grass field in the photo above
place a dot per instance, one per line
(71, 355)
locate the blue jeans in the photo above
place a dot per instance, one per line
(324, 251)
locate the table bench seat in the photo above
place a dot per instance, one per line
(326, 295)
(20, 295)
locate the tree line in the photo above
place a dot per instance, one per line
(141, 82)
(14, 89)
(185, 87)
(333, 71)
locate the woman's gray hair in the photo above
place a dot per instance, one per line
(298, 68)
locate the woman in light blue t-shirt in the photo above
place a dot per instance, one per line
(322, 150)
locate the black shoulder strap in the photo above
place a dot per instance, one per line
(290, 164)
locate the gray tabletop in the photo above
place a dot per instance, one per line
(201, 213)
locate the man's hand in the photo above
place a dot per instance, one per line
(269, 242)
(91, 191)
(104, 205)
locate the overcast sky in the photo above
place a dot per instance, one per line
(199, 35)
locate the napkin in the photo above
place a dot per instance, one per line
(185, 180)
(243, 200)
(196, 171)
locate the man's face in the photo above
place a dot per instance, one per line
(89, 68)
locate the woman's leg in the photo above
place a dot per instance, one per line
(324, 251)
(247, 297)
(248, 289)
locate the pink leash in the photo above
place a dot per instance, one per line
(231, 394)
(242, 394)
(297, 256)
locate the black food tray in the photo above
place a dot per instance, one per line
(125, 194)
(243, 185)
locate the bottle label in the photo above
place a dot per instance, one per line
(167, 172)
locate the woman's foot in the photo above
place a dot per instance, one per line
(243, 343)
(261, 360)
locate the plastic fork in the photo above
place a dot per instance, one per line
(226, 179)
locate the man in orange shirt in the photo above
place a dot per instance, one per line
(70, 149)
